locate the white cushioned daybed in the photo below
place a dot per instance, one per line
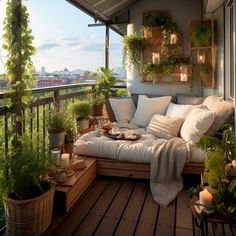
(169, 133)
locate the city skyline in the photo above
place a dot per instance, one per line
(63, 38)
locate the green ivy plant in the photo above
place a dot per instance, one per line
(164, 67)
(168, 49)
(132, 51)
(18, 41)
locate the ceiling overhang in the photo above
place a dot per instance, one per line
(113, 13)
(210, 6)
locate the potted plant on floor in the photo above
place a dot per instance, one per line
(27, 196)
(81, 110)
(56, 129)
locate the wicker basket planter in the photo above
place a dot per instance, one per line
(29, 217)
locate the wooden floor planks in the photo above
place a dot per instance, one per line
(122, 207)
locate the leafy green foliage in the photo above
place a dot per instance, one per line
(205, 70)
(156, 19)
(56, 121)
(106, 83)
(215, 166)
(132, 51)
(200, 35)
(70, 131)
(81, 109)
(24, 169)
(18, 41)
(220, 173)
(165, 67)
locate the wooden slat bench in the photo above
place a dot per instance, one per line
(109, 167)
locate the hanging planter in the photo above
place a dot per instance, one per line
(132, 51)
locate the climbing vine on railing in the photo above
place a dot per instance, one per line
(18, 41)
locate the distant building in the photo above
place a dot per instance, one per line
(50, 82)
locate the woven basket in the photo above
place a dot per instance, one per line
(29, 217)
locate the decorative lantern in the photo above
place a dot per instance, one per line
(184, 73)
(201, 57)
(173, 38)
(156, 57)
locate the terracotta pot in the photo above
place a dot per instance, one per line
(98, 109)
(29, 217)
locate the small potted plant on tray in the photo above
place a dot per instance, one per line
(81, 110)
(56, 129)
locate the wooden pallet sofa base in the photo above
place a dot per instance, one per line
(109, 167)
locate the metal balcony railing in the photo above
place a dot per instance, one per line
(36, 115)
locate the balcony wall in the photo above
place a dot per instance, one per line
(182, 11)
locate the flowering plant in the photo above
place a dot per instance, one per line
(220, 171)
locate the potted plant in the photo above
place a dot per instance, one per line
(69, 138)
(56, 129)
(200, 35)
(81, 110)
(220, 172)
(97, 103)
(132, 51)
(27, 196)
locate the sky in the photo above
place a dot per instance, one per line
(63, 39)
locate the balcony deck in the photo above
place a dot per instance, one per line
(115, 206)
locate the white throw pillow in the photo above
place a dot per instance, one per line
(123, 108)
(196, 125)
(165, 127)
(223, 111)
(179, 110)
(147, 107)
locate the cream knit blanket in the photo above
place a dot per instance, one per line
(167, 165)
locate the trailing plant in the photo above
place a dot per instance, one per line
(200, 35)
(23, 171)
(132, 51)
(219, 171)
(168, 49)
(205, 70)
(18, 41)
(151, 70)
(164, 67)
